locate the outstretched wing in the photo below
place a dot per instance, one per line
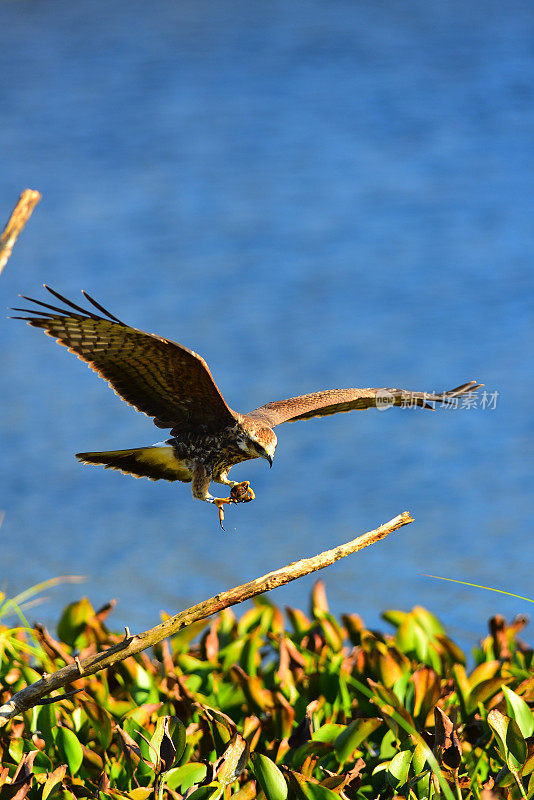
(159, 377)
(333, 401)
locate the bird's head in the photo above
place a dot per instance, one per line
(258, 441)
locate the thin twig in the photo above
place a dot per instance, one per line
(47, 701)
(30, 696)
(18, 219)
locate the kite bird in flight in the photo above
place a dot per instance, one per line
(174, 385)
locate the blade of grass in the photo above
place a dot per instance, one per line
(21, 602)
(39, 587)
(10, 607)
(22, 647)
(478, 586)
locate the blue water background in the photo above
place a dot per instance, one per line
(311, 195)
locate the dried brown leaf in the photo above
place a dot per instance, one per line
(446, 740)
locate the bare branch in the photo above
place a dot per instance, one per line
(18, 219)
(130, 645)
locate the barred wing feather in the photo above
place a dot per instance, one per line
(157, 376)
(335, 401)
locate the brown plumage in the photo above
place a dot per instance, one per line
(174, 385)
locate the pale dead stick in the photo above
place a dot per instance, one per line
(32, 695)
(18, 219)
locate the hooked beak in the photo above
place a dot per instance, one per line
(270, 460)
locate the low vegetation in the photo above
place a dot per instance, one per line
(272, 706)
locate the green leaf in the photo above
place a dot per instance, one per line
(233, 760)
(53, 779)
(519, 710)
(329, 682)
(299, 621)
(42, 763)
(74, 620)
(510, 740)
(162, 749)
(400, 687)
(394, 617)
(47, 722)
(180, 641)
(399, 766)
(328, 733)
(182, 778)
(314, 791)
(100, 721)
(250, 656)
(332, 632)
(528, 767)
(310, 748)
(211, 791)
(484, 672)
(231, 654)
(353, 735)
(388, 745)
(269, 777)
(504, 778)
(410, 638)
(499, 723)
(517, 747)
(144, 690)
(250, 619)
(430, 624)
(16, 749)
(70, 749)
(418, 759)
(482, 692)
(177, 730)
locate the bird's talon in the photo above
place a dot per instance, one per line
(220, 502)
(242, 492)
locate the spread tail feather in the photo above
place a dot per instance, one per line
(158, 462)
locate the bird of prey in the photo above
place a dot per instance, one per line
(174, 386)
